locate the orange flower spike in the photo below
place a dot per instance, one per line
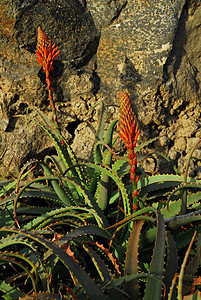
(128, 127)
(129, 132)
(46, 52)
(45, 55)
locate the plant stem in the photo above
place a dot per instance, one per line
(50, 96)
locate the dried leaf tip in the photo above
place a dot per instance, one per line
(46, 52)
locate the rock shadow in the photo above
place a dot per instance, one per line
(175, 56)
(129, 78)
(56, 74)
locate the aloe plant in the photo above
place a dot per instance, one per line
(101, 228)
(72, 200)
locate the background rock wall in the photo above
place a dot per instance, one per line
(149, 48)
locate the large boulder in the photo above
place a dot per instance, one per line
(134, 48)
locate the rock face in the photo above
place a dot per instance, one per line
(148, 48)
(104, 12)
(134, 48)
(22, 82)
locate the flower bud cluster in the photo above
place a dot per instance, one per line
(129, 132)
(45, 55)
(46, 52)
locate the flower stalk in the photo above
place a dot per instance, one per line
(45, 55)
(129, 132)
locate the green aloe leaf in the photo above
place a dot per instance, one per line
(179, 221)
(85, 230)
(6, 215)
(91, 288)
(137, 148)
(9, 185)
(184, 195)
(172, 262)
(100, 266)
(117, 180)
(183, 239)
(61, 193)
(154, 288)
(44, 296)
(131, 262)
(96, 156)
(198, 248)
(104, 272)
(77, 212)
(104, 187)
(11, 292)
(81, 189)
(11, 260)
(126, 278)
(56, 138)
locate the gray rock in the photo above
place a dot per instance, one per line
(133, 50)
(104, 12)
(67, 22)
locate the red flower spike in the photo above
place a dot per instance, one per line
(129, 132)
(128, 128)
(46, 52)
(45, 55)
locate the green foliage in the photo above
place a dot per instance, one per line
(72, 231)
